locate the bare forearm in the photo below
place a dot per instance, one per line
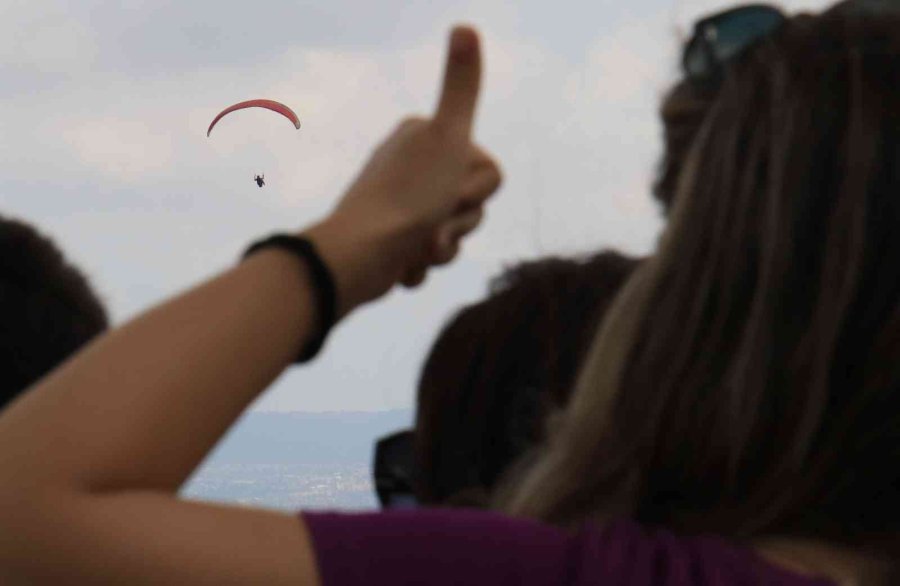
(141, 406)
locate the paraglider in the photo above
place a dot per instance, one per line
(268, 104)
(272, 105)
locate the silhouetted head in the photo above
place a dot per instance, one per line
(500, 366)
(746, 381)
(47, 308)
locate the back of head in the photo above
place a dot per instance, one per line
(500, 366)
(48, 308)
(682, 112)
(747, 381)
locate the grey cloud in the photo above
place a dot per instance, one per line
(569, 29)
(177, 36)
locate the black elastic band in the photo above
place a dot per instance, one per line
(322, 279)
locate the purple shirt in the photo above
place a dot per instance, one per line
(442, 547)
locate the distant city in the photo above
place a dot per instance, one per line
(293, 461)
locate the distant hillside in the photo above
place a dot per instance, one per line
(306, 438)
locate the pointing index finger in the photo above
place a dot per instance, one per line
(462, 78)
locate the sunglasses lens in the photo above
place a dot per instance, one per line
(401, 501)
(394, 470)
(732, 35)
(697, 63)
(720, 38)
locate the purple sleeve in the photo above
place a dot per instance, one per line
(442, 546)
(437, 547)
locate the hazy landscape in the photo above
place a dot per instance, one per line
(291, 461)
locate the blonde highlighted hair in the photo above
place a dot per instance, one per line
(746, 380)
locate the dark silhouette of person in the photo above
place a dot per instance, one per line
(501, 366)
(48, 308)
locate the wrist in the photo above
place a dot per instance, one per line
(360, 256)
(322, 282)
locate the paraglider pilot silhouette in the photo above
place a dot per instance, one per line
(267, 104)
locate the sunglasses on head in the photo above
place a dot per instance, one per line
(724, 36)
(393, 470)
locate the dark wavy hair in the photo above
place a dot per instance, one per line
(500, 366)
(48, 308)
(746, 382)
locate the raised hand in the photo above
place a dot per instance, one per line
(420, 193)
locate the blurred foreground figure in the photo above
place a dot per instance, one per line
(47, 308)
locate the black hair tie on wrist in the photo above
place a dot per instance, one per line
(323, 282)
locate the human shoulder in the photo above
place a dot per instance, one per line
(452, 546)
(440, 546)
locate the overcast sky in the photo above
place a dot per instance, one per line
(104, 108)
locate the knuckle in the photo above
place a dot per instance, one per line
(494, 178)
(411, 122)
(480, 158)
(497, 172)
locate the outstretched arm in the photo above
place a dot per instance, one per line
(92, 456)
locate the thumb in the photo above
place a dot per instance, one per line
(462, 78)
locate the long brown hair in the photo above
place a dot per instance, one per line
(746, 381)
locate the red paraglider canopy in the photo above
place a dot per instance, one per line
(268, 104)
